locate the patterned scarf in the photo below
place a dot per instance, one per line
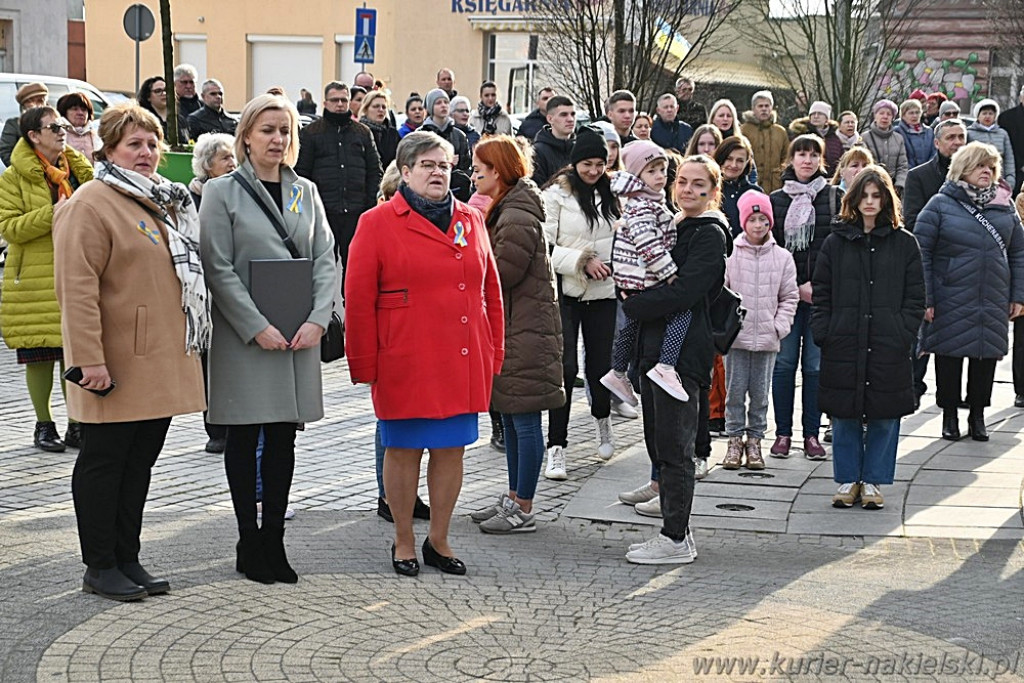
(163, 197)
(490, 117)
(979, 196)
(377, 128)
(58, 175)
(849, 140)
(799, 227)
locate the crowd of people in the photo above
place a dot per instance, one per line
(857, 254)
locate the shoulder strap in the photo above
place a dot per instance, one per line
(274, 219)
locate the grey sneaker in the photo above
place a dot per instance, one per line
(510, 520)
(605, 438)
(662, 550)
(688, 540)
(489, 511)
(639, 495)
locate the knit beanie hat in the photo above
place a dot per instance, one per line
(30, 90)
(885, 104)
(589, 144)
(948, 107)
(918, 94)
(753, 201)
(431, 99)
(937, 96)
(636, 155)
(819, 107)
(610, 134)
(762, 95)
(983, 104)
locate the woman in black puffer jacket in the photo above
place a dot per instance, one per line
(804, 209)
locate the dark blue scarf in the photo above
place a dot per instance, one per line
(438, 213)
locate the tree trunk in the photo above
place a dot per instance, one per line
(619, 50)
(172, 103)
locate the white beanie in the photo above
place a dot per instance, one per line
(762, 95)
(985, 103)
(819, 107)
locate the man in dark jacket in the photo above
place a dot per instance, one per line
(536, 119)
(553, 144)
(438, 121)
(339, 155)
(692, 113)
(211, 118)
(1012, 121)
(667, 130)
(185, 77)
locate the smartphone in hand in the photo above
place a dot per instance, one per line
(74, 374)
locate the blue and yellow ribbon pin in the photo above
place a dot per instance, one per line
(152, 233)
(295, 200)
(460, 235)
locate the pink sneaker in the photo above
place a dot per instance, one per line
(621, 387)
(666, 377)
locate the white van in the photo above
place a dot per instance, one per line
(9, 84)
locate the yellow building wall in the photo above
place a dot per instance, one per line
(415, 38)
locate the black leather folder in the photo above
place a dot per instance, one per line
(282, 290)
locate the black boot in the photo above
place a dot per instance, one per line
(976, 426)
(950, 425)
(273, 550)
(497, 434)
(46, 438)
(73, 435)
(136, 572)
(112, 584)
(251, 559)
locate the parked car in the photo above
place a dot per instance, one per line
(58, 86)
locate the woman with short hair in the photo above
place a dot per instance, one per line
(153, 97)
(212, 157)
(77, 109)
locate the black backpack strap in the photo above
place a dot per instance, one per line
(274, 219)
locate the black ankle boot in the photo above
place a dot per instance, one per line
(950, 425)
(976, 426)
(46, 438)
(498, 435)
(251, 558)
(273, 550)
(73, 435)
(112, 584)
(137, 573)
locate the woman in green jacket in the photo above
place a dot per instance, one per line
(43, 173)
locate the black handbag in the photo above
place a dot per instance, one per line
(332, 344)
(727, 315)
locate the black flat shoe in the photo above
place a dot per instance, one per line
(73, 435)
(112, 584)
(384, 510)
(153, 585)
(449, 565)
(422, 510)
(976, 427)
(404, 567)
(1019, 401)
(216, 445)
(950, 425)
(47, 439)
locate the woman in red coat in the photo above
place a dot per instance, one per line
(425, 329)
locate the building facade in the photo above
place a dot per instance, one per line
(34, 36)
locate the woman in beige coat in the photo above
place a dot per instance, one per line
(135, 319)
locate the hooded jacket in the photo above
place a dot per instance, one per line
(765, 276)
(966, 277)
(532, 124)
(531, 376)
(573, 242)
(868, 306)
(889, 151)
(833, 145)
(549, 155)
(643, 239)
(920, 144)
(770, 144)
(29, 315)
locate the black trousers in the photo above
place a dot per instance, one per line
(213, 431)
(343, 225)
(670, 431)
(276, 468)
(597, 320)
(1018, 356)
(109, 486)
(702, 444)
(981, 372)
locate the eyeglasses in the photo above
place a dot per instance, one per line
(56, 128)
(431, 166)
(161, 91)
(337, 100)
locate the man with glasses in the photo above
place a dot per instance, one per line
(338, 154)
(29, 96)
(691, 112)
(211, 118)
(185, 77)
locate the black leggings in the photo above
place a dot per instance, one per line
(276, 469)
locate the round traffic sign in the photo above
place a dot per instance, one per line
(139, 22)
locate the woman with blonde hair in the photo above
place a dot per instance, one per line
(375, 116)
(705, 140)
(850, 164)
(724, 117)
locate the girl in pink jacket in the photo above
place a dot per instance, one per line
(764, 274)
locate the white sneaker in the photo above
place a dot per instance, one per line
(700, 468)
(605, 438)
(620, 386)
(662, 550)
(651, 508)
(688, 540)
(623, 409)
(289, 513)
(639, 495)
(556, 464)
(666, 377)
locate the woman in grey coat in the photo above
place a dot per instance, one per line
(258, 378)
(972, 249)
(886, 144)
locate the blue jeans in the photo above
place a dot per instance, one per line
(379, 448)
(784, 376)
(524, 451)
(870, 457)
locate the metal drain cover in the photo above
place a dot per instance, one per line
(735, 507)
(757, 475)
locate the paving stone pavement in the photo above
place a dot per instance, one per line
(557, 605)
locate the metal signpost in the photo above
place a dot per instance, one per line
(139, 25)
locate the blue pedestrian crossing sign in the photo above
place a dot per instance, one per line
(366, 34)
